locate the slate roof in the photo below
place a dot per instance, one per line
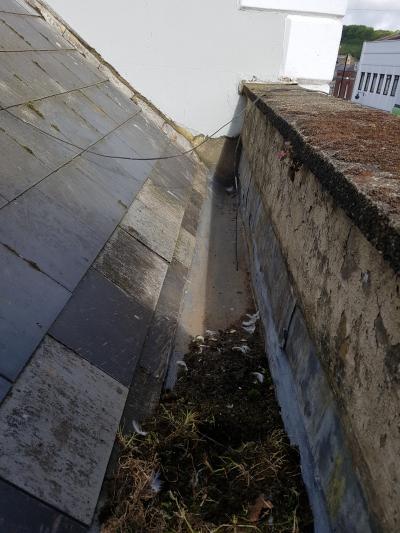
(94, 254)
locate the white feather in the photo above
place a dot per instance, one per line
(138, 429)
(156, 483)
(259, 377)
(243, 349)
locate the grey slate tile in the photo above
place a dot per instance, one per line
(56, 116)
(5, 387)
(111, 175)
(44, 232)
(9, 39)
(87, 200)
(23, 79)
(35, 32)
(88, 113)
(50, 152)
(145, 138)
(20, 168)
(105, 326)
(83, 69)
(58, 428)
(29, 303)
(3, 201)
(133, 267)
(136, 172)
(14, 7)
(49, 64)
(21, 513)
(155, 218)
(39, 26)
(104, 96)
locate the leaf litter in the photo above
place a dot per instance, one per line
(215, 456)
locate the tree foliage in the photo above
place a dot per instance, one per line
(353, 37)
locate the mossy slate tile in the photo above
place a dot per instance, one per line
(57, 430)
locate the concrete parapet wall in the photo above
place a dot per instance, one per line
(330, 304)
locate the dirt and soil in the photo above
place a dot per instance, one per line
(215, 457)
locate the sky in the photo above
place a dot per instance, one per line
(380, 14)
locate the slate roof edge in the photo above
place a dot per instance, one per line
(181, 136)
(369, 216)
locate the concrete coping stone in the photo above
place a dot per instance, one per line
(353, 151)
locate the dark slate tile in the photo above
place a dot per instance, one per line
(21, 513)
(86, 199)
(20, 168)
(52, 238)
(30, 302)
(5, 387)
(57, 117)
(104, 325)
(122, 179)
(51, 152)
(118, 146)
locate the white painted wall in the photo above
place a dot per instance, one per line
(380, 57)
(189, 56)
(311, 60)
(333, 7)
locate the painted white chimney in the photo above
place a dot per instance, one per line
(189, 56)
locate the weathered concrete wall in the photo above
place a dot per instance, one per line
(330, 304)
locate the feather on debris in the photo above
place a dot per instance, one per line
(250, 325)
(243, 349)
(137, 429)
(156, 483)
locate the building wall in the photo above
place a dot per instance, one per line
(381, 58)
(330, 306)
(188, 57)
(343, 84)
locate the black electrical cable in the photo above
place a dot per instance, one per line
(127, 158)
(40, 99)
(20, 14)
(38, 50)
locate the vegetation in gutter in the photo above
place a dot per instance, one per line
(215, 457)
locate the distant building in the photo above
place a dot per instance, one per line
(344, 77)
(377, 82)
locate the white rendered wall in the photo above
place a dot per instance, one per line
(333, 7)
(189, 56)
(380, 57)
